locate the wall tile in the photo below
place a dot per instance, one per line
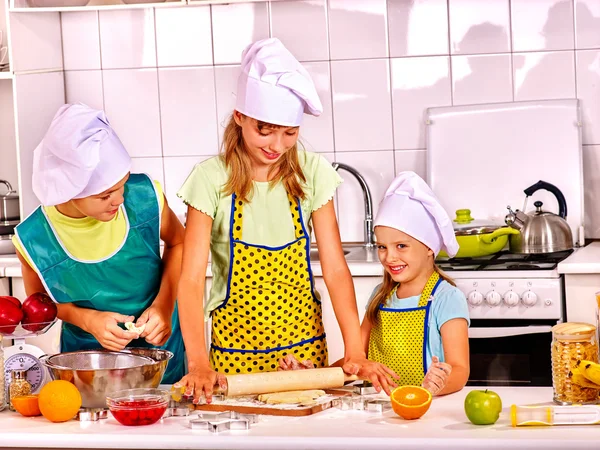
(591, 181)
(358, 29)
(542, 25)
(188, 116)
(417, 84)
(481, 79)
(84, 86)
(317, 132)
(177, 170)
(587, 24)
(378, 170)
(131, 104)
(418, 27)
(80, 40)
(479, 27)
(588, 92)
(183, 36)
(235, 26)
(288, 24)
(127, 38)
(226, 86)
(361, 105)
(544, 75)
(411, 160)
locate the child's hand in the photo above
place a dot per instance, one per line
(378, 374)
(436, 376)
(104, 326)
(291, 363)
(158, 325)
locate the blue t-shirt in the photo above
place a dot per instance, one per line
(448, 303)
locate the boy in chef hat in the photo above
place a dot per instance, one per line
(93, 245)
(417, 319)
(254, 206)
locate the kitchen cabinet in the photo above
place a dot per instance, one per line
(364, 287)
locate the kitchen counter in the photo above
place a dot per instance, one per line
(444, 426)
(361, 262)
(585, 260)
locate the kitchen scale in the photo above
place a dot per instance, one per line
(23, 356)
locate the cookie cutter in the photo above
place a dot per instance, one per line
(364, 388)
(212, 416)
(176, 411)
(217, 427)
(91, 415)
(351, 402)
(376, 405)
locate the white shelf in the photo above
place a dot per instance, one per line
(102, 7)
(97, 7)
(6, 75)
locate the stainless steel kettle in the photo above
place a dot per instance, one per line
(540, 231)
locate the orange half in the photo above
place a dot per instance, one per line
(27, 405)
(410, 402)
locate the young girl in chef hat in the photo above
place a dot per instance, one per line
(253, 207)
(417, 320)
(93, 245)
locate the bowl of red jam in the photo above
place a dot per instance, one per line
(134, 407)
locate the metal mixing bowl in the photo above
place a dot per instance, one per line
(97, 372)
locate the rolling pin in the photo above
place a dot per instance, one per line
(292, 380)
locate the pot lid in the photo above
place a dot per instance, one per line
(465, 225)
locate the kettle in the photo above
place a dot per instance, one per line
(540, 231)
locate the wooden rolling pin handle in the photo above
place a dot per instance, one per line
(350, 378)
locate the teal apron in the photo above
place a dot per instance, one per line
(126, 282)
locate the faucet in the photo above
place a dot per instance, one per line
(369, 235)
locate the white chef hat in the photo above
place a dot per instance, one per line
(79, 156)
(274, 87)
(409, 205)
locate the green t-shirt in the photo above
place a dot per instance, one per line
(267, 219)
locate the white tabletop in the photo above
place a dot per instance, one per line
(444, 426)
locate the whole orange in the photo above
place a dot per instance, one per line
(27, 405)
(410, 402)
(59, 401)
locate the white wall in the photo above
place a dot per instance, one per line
(166, 77)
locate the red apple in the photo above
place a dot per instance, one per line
(14, 300)
(10, 316)
(38, 308)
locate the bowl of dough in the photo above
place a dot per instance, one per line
(97, 372)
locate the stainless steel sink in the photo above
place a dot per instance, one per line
(352, 253)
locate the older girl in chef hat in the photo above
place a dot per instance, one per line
(417, 320)
(93, 245)
(253, 207)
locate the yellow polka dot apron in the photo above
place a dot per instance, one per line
(399, 338)
(270, 309)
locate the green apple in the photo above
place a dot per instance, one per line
(483, 407)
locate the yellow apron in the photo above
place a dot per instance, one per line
(399, 338)
(270, 309)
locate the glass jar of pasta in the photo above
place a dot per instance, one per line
(572, 343)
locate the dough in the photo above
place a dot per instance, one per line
(292, 397)
(131, 327)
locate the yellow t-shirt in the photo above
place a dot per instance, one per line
(267, 218)
(80, 237)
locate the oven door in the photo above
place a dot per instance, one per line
(510, 354)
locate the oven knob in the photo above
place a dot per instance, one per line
(493, 298)
(475, 298)
(529, 298)
(511, 298)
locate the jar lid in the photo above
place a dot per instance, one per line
(574, 330)
(19, 374)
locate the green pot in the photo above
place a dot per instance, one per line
(477, 238)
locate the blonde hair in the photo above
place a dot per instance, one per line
(385, 289)
(237, 160)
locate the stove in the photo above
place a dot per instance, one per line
(513, 299)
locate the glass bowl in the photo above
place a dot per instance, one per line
(134, 407)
